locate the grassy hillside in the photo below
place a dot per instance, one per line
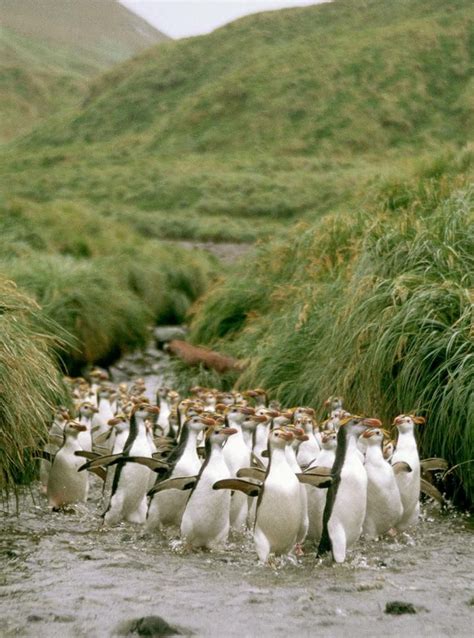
(275, 117)
(49, 55)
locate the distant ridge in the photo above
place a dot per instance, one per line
(51, 48)
(103, 28)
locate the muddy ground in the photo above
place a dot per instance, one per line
(63, 575)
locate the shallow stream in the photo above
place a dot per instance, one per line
(61, 575)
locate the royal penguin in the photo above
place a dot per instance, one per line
(86, 414)
(119, 430)
(406, 464)
(332, 405)
(259, 396)
(317, 496)
(205, 521)
(309, 449)
(261, 433)
(291, 451)
(165, 410)
(55, 440)
(346, 501)
(278, 516)
(384, 505)
(130, 482)
(66, 485)
(104, 412)
(166, 507)
(237, 455)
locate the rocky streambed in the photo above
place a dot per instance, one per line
(62, 575)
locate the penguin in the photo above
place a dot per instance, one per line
(86, 413)
(299, 438)
(259, 396)
(166, 507)
(237, 455)
(317, 497)
(66, 485)
(384, 505)
(165, 410)
(119, 432)
(104, 412)
(279, 506)
(130, 483)
(249, 427)
(408, 482)
(262, 431)
(55, 440)
(205, 520)
(346, 502)
(332, 405)
(308, 449)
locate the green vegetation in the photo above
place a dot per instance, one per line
(29, 380)
(376, 306)
(99, 282)
(275, 118)
(49, 55)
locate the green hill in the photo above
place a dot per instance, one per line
(295, 81)
(49, 55)
(277, 116)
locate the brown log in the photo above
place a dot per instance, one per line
(196, 355)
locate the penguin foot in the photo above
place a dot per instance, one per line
(392, 532)
(298, 550)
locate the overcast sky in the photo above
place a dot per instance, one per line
(182, 18)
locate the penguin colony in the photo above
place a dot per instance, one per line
(219, 461)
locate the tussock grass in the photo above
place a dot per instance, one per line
(100, 284)
(29, 379)
(377, 308)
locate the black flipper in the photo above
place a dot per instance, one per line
(319, 470)
(101, 461)
(153, 464)
(252, 472)
(434, 465)
(247, 487)
(176, 483)
(87, 455)
(430, 490)
(315, 480)
(400, 467)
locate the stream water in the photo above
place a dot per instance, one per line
(62, 575)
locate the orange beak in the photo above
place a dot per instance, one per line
(228, 431)
(208, 421)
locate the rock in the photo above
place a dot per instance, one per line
(163, 334)
(397, 607)
(154, 626)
